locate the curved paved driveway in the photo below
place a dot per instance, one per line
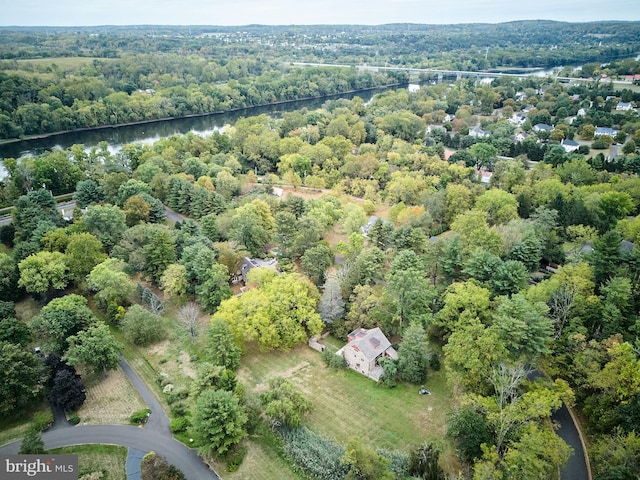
(155, 436)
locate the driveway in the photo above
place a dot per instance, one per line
(155, 436)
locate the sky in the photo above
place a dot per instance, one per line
(306, 12)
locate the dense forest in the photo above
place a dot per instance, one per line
(114, 75)
(497, 251)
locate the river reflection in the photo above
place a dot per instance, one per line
(149, 133)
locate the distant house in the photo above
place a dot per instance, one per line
(582, 112)
(542, 127)
(521, 136)
(484, 176)
(277, 191)
(623, 107)
(605, 131)
(249, 264)
(570, 145)
(363, 350)
(479, 132)
(518, 119)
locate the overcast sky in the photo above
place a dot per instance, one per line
(304, 12)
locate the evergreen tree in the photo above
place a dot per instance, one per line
(413, 358)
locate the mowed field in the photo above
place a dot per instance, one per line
(347, 404)
(64, 62)
(98, 461)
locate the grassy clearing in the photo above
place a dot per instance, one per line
(64, 62)
(348, 404)
(110, 400)
(98, 461)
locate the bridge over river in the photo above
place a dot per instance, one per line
(440, 74)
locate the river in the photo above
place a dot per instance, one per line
(149, 133)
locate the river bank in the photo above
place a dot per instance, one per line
(195, 115)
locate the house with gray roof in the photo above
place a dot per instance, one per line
(363, 350)
(605, 131)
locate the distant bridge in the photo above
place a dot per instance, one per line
(458, 74)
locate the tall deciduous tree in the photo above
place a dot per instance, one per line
(280, 314)
(84, 251)
(218, 421)
(191, 317)
(43, 272)
(142, 327)
(59, 319)
(21, 376)
(111, 282)
(253, 226)
(67, 390)
(94, 347)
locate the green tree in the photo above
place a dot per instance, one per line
(111, 282)
(315, 262)
(142, 327)
(43, 272)
(484, 153)
(253, 226)
(21, 375)
(106, 222)
(523, 326)
(59, 319)
(279, 314)
(218, 421)
(136, 210)
(470, 430)
(408, 286)
(221, 345)
(174, 281)
(413, 358)
(87, 193)
(83, 253)
(284, 404)
(94, 347)
(159, 253)
(500, 206)
(364, 463)
(424, 463)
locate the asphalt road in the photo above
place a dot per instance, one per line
(155, 436)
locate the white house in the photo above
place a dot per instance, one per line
(605, 131)
(479, 132)
(570, 145)
(623, 107)
(364, 348)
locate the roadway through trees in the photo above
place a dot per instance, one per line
(155, 436)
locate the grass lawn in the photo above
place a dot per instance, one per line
(262, 457)
(14, 427)
(110, 400)
(347, 404)
(98, 461)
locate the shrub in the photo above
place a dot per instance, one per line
(332, 360)
(142, 327)
(74, 420)
(235, 458)
(317, 456)
(155, 467)
(399, 462)
(140, 416)
(42, 420)
(179, 409)
(179, 424)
